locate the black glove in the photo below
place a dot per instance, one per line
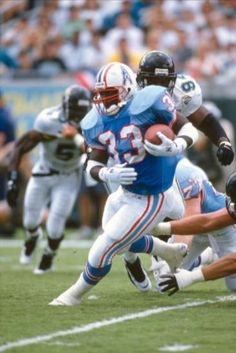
(225, 153)
(169, 284)
(12, 188)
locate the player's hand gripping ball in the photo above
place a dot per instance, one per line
(151, 135)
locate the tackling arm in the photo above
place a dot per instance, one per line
(210, 126)
(25, 144)
(196, 224)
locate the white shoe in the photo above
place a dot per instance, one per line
(24, 259)
(66, 299)
(175, 255)
(208, 256)
(160, 267)
(138, 276)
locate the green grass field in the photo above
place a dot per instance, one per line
(113, 318)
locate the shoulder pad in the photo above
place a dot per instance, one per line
(47, 121)
(145, 98)
(90, 119)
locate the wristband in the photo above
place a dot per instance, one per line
(181, 144)
(102, 174)
(78, 140)
(163, 228)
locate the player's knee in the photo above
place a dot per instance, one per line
(55, 227)
(30, 222)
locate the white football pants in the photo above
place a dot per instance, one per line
(57, 191)
(127, 217)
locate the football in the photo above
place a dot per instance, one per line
(151, 133)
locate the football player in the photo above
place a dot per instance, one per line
(225, 266)
(55, 176)
(157, 68)
(146, 195)
(201, 197)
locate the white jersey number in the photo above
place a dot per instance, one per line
(131, 133)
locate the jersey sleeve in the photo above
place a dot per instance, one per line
(164, 109)
(190, 179)
(188, 95)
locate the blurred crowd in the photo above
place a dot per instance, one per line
(74, 38)
(57, 38)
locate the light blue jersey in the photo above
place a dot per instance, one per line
(194, 182)
(121, 135)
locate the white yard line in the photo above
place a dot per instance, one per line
(116, 320)
(66, 244)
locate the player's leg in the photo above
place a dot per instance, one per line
(74, 294)
(63, 196)
(35, 201)
(135, 270)
(224, 242)
(140, 214)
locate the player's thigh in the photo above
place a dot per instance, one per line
(63, 195)
(37, 194)
(112, 205)
(135, 216)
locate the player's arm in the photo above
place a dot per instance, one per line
(25, 144)
(205, 121)
(196, 224)
(120, 173)
(221, 268)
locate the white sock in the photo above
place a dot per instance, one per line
(160, 248)
(130, 257)
(79, 288)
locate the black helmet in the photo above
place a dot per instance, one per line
(156, 68)
(230, 187)
(76, 102)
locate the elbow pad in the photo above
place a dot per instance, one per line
(190, 132)
(91, 164)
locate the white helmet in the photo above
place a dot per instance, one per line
(115, 86)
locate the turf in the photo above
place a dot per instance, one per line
(24, 312)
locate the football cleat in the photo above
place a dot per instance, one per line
(28, 249)
(138, 276)
(66, 298)
(175, 255)
(45, 264)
